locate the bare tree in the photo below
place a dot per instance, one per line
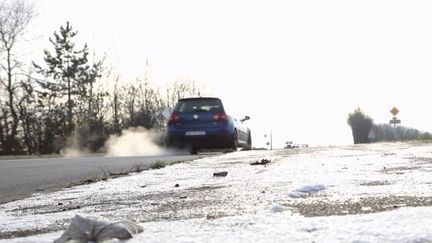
(15, 16)
(116, 106)
(182, 89)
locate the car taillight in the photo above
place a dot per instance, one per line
(220, 116)
(173, 118)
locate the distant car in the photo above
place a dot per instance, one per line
(202, 123)
(295, 145)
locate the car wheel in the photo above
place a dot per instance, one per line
(249, 142)
(234, 145)
(193, 150)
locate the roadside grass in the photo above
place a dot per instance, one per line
(158, 164)
(413, 142)
(21, 157)
(42, 156)
(405, 140)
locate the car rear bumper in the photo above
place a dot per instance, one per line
(213, 138)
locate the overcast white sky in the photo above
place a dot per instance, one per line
(296, 67)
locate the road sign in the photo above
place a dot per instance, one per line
(394, 111)
(395, 121)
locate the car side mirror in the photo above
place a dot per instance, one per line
(245, 118)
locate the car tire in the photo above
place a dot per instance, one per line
(249, 142)
(193, 151)
(234, 142)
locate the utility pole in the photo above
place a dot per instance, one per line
(271, 140)
(270, 143)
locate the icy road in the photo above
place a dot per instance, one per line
(364, 193)
(21, 177)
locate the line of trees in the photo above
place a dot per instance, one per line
(365, 131)
(387, 132)
(361, 125)
(67, 100)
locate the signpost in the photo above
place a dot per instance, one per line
(394, 121)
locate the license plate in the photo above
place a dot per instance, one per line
(195, 133)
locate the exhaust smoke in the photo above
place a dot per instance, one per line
(73, 149)
(135, 141)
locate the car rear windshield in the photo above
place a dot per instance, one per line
(199, 105)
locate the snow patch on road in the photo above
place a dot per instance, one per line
(306, 191)
(277, 208)
(251, 204)
(402, 225)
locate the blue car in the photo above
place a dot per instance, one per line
(202, 123)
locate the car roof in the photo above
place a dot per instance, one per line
(199, 98)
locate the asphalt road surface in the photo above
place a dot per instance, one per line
(361, 193)
(21, 178)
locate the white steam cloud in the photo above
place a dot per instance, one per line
(73, 149)
(136, 141)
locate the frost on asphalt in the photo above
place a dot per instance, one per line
(367, 193)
